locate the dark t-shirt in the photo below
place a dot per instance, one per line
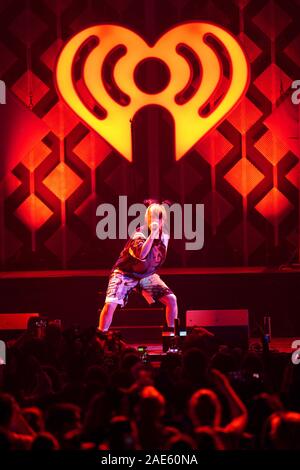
(130, 262)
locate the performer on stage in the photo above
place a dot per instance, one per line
(136, 269)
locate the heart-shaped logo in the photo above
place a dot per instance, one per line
(96, 75)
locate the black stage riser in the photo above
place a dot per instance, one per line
(76, 299)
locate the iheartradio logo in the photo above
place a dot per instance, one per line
(206, 75)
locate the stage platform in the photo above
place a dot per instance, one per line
(105, 272)
(75, 295)
(278, 345)
(280, 354)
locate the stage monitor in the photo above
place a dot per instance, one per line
(230, 327)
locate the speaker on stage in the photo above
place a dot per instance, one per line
(139, 325)
(230, 327)
(12, 324)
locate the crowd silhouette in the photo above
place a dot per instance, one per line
(73, 390)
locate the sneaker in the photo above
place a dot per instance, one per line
(101, 334)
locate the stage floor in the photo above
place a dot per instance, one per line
(282, 345)
(215, 270)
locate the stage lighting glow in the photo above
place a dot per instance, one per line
(114, 121)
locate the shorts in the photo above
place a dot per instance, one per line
(120, 285)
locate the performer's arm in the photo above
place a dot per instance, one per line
(154, 227)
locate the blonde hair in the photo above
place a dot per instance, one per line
(156, 211)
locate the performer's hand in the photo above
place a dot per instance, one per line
(154, 227)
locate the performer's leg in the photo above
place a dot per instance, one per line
(106, 316)
(154, 288)
(118, 289)
(170, 302)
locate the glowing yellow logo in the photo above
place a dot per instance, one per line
(88, 89)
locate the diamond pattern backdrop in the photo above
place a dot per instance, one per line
(55, 171)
